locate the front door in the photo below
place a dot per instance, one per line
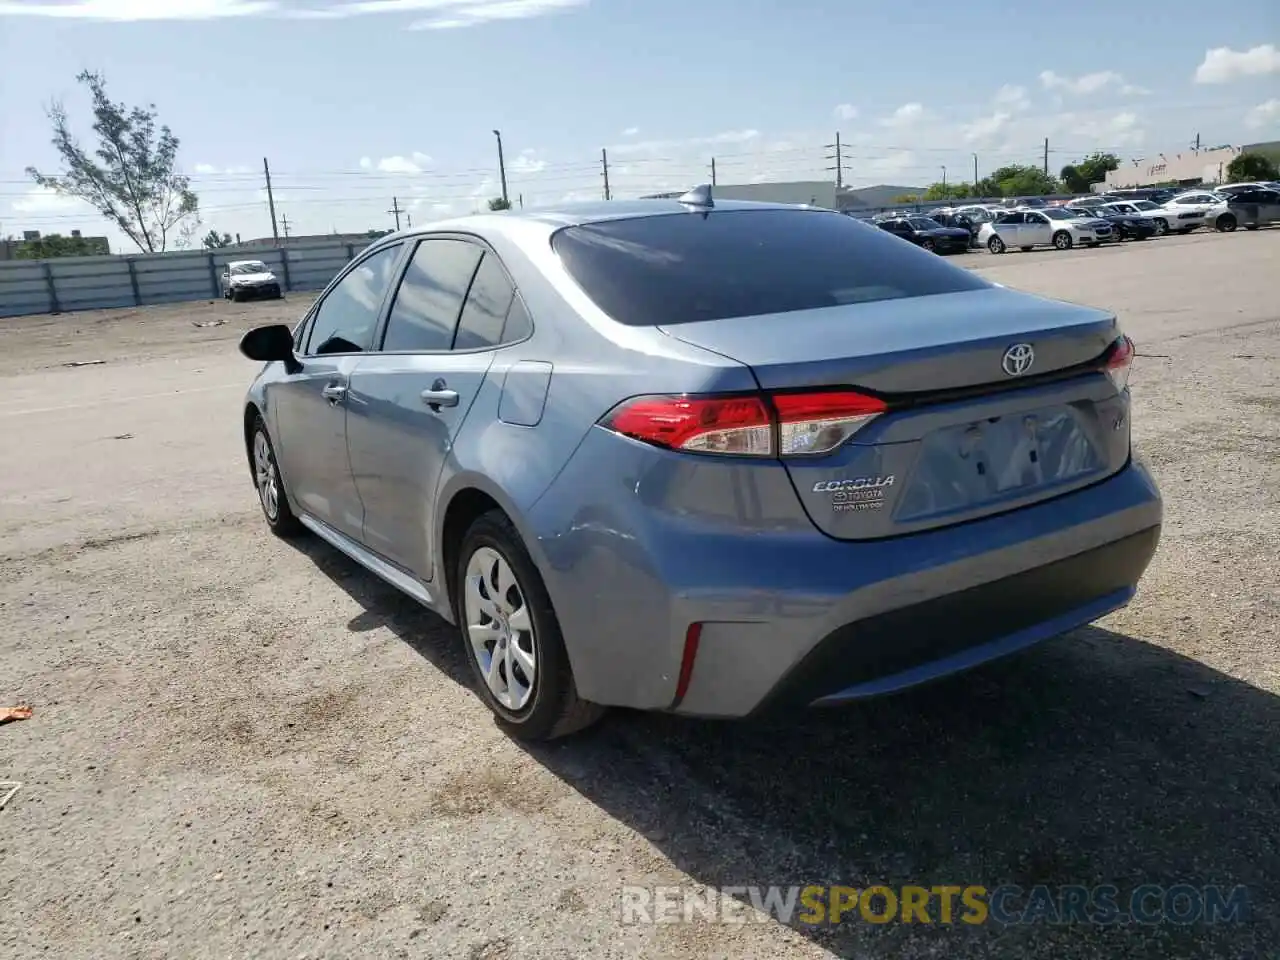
(309, 408)
(408, 401)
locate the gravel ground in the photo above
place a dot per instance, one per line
(246, 748)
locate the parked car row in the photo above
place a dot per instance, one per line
(1088, 221)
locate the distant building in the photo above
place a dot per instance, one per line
(312, 240)
(817, 193)
(1186, 167)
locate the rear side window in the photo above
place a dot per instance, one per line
(688, 267)
(487, 304)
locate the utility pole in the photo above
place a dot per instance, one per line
(944, 182)
(271, 200)
(604, 163)
(284, 224)
(395, 209)
(1196, 146)
(975, 174)
(409, 220)
(1046, 156)
(713, 171)
(502, 167)
(839, 167)
(520, 200)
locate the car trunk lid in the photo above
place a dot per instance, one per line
(970, 429)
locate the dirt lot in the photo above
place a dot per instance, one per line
(242, 748)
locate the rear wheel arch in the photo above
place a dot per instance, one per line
(465, 507)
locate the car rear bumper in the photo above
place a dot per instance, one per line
(637, 545)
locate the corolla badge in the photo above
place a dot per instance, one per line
(856, 493)
(1018, 359)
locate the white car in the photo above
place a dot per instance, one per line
(1147, 209)
(1204, 208)
(243, 279)
(1052, 226)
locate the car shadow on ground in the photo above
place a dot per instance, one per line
(1094, 759)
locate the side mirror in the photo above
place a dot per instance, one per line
(271, 344)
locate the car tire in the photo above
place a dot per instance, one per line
(995, 245)
(928, 245)
(1226, 223)
(521, 627)
(1162, 226)
(269, 484)
(1062, 240)
(234, 295)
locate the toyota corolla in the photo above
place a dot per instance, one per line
(709, 457)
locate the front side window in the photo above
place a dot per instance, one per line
(346, 318)
(427, 304)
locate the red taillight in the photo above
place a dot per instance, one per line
(805, 424)
(1119, 362)
(691, 638)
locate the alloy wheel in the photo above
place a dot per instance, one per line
(266, 476)
(500, 628)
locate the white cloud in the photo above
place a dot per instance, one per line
(398, 165)
(1263, 115)
(846, 111)
(527, 163)
(458, 14)
(1222, 64)
(43, 202)
(985, 128)
(439, 14)
(421, 159)
(630, 131)
(1133, 90)
(209, 170)
(905, 116)
(1098, 129)
(125, 10)
(1012, 97)
(1084, 84)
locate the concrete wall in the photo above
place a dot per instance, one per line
(92, 283)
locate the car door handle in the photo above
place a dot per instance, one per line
(438, 397)
(334, 392)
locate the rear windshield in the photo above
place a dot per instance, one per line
(683, 268)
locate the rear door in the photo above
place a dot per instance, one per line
(1010, 226)
(409, 399)
(1036, 230)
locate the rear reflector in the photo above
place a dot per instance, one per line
(691, 638)
(1119, 362)
(747, 425)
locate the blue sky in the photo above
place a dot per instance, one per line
(359, 101)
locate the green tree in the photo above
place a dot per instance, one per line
(906, 198)
(216, 241)
(1078, 177)
(53, 245)
(947, 191)
(1023, 180)
(375, 234)
(497, 203)
(987, 187)
(130, 177)
(1251, 166)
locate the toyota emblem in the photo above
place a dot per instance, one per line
(1018, 359)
